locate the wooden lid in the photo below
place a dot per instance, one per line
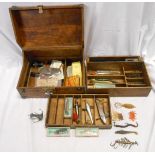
(48, 27)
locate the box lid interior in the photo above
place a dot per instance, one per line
(48, 27)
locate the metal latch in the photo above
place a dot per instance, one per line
(40, 7)
(48, 93)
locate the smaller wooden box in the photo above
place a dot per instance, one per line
(47, 33)
(56, 105)
(117, 76)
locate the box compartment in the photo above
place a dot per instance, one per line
(126, 76)
(55, 111)
(47, 33)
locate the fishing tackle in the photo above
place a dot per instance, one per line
(37, 64)
(36, 117)
(126, 132)
(125, 105)
(89, 112)
(101, 112)
(124, 142)
(132, 116)
(116, 116)
(126, 125)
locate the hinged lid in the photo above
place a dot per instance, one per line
(48, 27)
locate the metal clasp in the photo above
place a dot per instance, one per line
(40, 7)
(48, 93)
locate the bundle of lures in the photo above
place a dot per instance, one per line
(118, 118)
(54, 74)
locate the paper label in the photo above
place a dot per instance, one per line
(86, 132)
(58, 132)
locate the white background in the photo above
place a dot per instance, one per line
(110, 29)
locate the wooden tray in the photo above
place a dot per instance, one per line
(129, 75)
(55, 111)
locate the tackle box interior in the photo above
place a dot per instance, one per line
(127, 76)
(47, 33)
(56, 107)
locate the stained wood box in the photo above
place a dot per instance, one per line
(127, 76)
(47, 33)
(56, 105)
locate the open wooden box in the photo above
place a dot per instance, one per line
(47, 33)
(127, 77)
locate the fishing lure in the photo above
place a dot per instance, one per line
(89, 112)
(116, 116)
(101, 112)
(124, 142)
(126, 125)
(126, 132)
(36, 117)
(125, 105)
(132, 116)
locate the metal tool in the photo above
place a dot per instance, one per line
(89, 112)
(101, 112)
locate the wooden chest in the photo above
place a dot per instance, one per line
(47, 33)
(117, 76)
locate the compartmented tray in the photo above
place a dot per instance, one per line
(28, 87)
(47, 33)
(118, 76)
(56, 107)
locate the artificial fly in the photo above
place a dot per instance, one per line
(125, 105)
(132, 116)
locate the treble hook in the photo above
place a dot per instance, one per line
(36, 117)
(113, 145)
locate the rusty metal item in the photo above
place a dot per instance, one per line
(124, 142)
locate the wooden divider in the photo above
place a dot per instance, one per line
(55, 115)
